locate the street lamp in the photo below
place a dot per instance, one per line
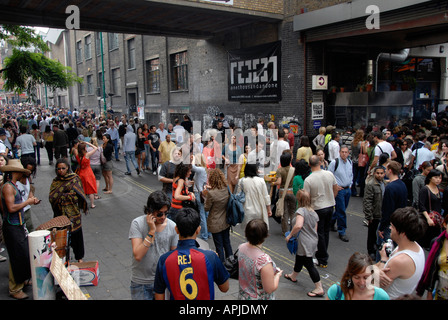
(102, 73)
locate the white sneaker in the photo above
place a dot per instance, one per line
(2, 258)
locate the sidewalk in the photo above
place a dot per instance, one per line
(105, 231)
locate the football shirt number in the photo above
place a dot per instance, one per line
(184, 283)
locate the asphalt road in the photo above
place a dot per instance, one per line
(106, 240)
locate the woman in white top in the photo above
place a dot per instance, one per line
(258, 201)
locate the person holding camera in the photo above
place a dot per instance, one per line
(394, 197)
(401, 271)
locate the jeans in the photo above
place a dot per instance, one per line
(379, 241)
(372, 237)
(204, 215)
(148, 155)
(339, 214)
(130, 156)
(142, 291)
(222, 244)
(154, 159)
(289, 212)
(37, 152)
(358, 178)
(323, 233)
(115, 142)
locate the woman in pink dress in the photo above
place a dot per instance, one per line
(85, 172)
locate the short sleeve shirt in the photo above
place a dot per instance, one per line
(143, 271)
(189, 273)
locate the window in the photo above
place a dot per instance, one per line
(153, 76)
(98, 44)
(78, 51)
(90, 84)
(81, 88)
(179, 71)
(113, 41)
(131, 53)
(100, 84)
(88, 47)
(116, 82)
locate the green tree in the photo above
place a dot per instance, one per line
(23, 70)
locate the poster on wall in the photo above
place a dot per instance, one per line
(255, 73)
(317, 111)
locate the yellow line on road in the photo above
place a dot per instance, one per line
(289, 262)
(328, 282)
(138, 184)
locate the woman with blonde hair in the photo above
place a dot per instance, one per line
(306, 223)
(216, 204)
(319, 140)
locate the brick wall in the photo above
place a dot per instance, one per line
(271, 6)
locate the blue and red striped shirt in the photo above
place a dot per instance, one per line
(189, 273)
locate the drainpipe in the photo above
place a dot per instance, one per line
(395, 57)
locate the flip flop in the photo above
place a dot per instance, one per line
(107, 192)
(313, 294)
(97, 197)
(92, 207)
(287, 276)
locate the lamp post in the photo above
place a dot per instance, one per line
(102, 73)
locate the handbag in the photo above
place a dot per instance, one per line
(102, 157)
(190, 204)
(280, 205)
(363, 159)
(435, 216)
(231, 265)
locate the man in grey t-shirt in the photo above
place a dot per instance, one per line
(152, 235)
(323, 188)
(26, 143)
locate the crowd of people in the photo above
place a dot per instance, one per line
(305, 185)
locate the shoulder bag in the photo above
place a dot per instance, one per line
(231, 265)
(435, 216)
(363, 158)
(280, 205)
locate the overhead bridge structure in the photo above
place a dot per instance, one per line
(176, 18)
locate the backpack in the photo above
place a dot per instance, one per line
(326, 151)
(235, 207)
(336, 164)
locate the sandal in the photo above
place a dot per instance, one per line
(97, 197)
(93, 207)
(287, 276)
(313, 294)
(108, 192)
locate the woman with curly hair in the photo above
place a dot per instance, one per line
(216, 204)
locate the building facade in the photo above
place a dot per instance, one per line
(161, 78)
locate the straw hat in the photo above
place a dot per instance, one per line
(14, 165)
